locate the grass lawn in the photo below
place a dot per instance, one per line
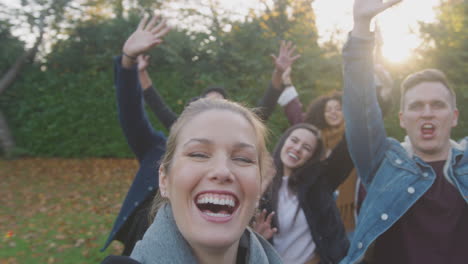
(60, 210)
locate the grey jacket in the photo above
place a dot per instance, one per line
(163, 243)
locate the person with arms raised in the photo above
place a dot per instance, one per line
(416, 209)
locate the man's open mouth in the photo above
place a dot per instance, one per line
(427, 129)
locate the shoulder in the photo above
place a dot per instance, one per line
(460, 145)
(119, 260)
(260, 250)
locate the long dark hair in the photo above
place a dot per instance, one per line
(315, 113)
(296, 178)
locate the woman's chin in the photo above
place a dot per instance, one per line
(216, 232)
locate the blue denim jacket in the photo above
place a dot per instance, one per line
(395, 179)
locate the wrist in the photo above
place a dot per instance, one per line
(361, 28)
(287, 95)
(131, 57)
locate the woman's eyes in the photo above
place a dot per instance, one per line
(309, 149)
(243, 159)
(198, 155)
(201, 155)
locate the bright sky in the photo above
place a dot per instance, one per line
(398, 25)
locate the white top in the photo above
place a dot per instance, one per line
(293, 242)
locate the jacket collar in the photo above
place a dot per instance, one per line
(457, 148)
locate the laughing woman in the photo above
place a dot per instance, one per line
(307, 224)
(210, 182)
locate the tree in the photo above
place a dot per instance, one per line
(39, 15)
(10, 47)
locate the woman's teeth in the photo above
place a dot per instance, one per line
(216, 214)
(293, 156)
(216, 199)
(216, 205)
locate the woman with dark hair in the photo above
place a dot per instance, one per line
(307, 224)
(325, 112)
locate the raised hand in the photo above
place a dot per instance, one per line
(285, 56)
(262, 224)
(147, 35)
(283, 61)
(364, 11)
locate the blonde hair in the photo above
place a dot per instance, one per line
(200, 106)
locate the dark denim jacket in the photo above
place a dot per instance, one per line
(394, 177)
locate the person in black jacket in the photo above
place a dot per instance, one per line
(148, 145)
(306, 226)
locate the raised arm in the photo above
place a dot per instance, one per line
(282, 61)
(137, 129)
(338, 165)
(152, 98)
(365, 132)
(383, 79)
(289, 100)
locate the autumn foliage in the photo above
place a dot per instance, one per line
(60, 210)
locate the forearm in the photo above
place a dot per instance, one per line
(154, 100)
(365, 132)
(267, 103)
(135, 125)
(292, 106)
(276, 81)
(145, 80)
(338, 165)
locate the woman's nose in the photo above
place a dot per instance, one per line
(220, 171)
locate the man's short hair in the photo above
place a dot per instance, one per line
(217, 89)
(427, 75)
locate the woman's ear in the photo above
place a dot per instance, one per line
(163, 181)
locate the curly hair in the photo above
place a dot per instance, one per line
(315, 113)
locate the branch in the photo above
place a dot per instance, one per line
(16, 68)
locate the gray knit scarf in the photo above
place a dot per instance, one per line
(163, 243)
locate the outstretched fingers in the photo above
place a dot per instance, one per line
(151, 23)
(141, 25)
(163, 31)
(161, 25)
(269, 218)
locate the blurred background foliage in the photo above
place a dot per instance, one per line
(62, 103)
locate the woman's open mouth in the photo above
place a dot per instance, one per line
(215, 206)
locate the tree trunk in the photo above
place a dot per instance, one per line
(7, 143)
